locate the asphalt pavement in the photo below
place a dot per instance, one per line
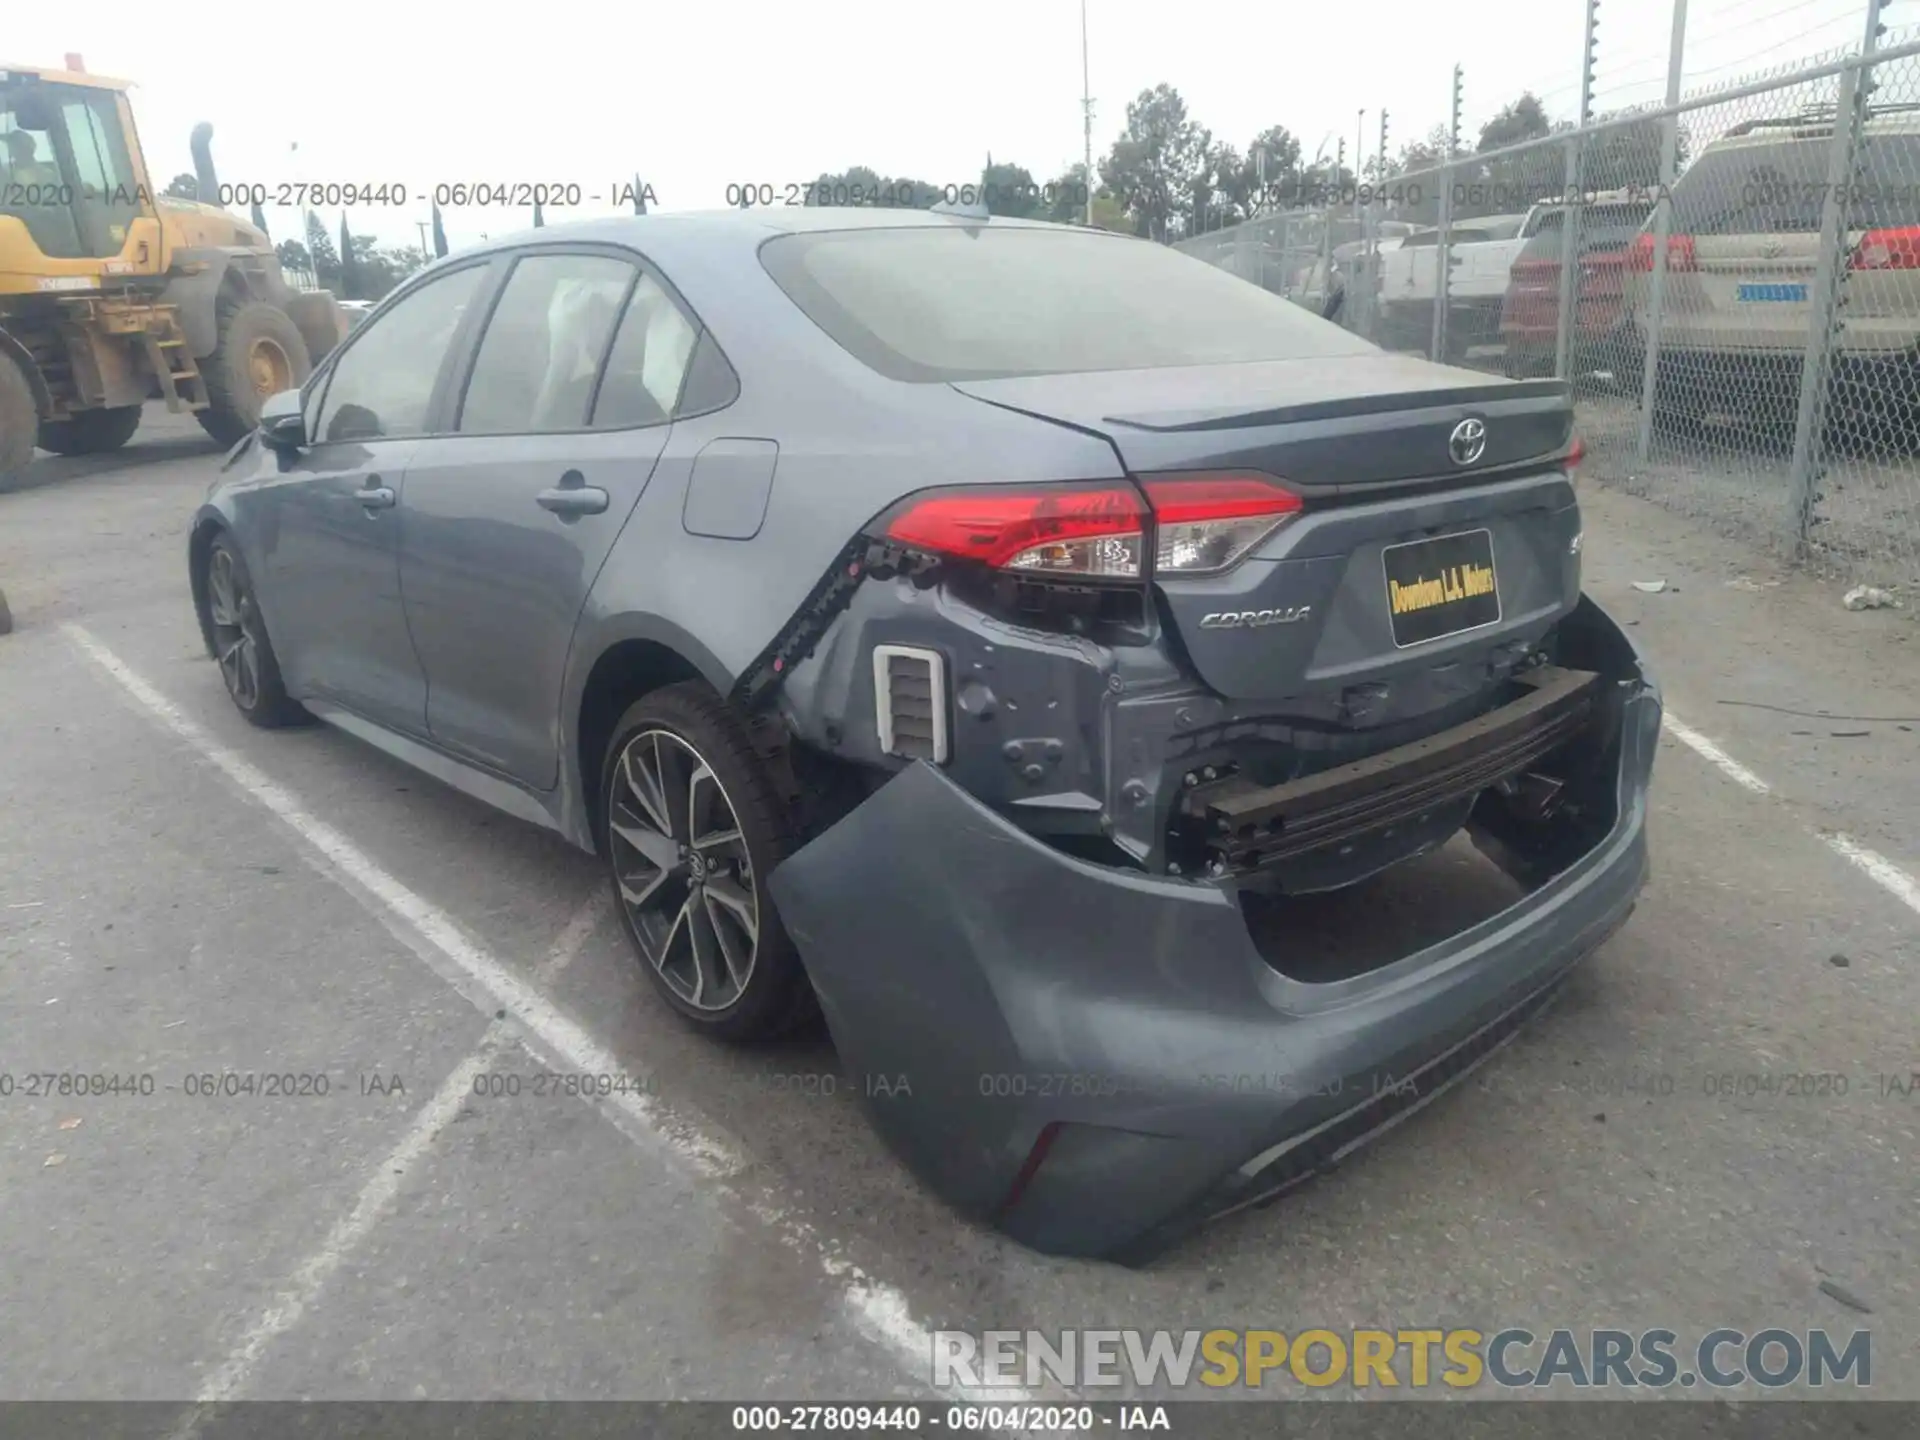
(389, 1201)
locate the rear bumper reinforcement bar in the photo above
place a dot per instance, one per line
(1250, 825)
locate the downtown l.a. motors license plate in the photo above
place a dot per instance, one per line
(1441, 586)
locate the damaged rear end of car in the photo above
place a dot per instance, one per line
(1324, 616)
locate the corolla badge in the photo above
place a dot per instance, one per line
(1468, 442)
(1254, 619)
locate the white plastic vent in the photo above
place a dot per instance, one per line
(910, 702)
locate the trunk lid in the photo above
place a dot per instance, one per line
(1334, 424)
(1369, 441)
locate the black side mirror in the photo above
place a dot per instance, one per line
(281, 423)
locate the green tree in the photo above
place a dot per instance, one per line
(293, 256)
(378, 270)
(1064, 198)
(1281, 152)
(1518, 121)
(1509, 184)
(183, 187)
(325, 259)
(1011, 191)
(1627, 156)
(1159, 164)
(1225, 192)
(863, 185)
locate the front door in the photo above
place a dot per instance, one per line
(509, 519)
(329, 526)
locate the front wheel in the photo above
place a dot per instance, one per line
(693, 825)
(19, 420)
(248, 666)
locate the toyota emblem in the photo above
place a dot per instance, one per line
(1468, 442)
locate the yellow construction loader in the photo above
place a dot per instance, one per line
(113, 294)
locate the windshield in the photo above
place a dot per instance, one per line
(64, 168)
(945, 303)
(1779, 187)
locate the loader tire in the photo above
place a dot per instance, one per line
(19, 421)
(91, 432)
(259, 353)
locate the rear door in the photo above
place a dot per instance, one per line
(561, 416)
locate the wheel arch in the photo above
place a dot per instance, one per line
(215, 273)
(631, 662)
(209, 525)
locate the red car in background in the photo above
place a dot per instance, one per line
(1530, 314)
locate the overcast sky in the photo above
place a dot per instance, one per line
(699, 96)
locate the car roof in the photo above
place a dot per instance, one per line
(1815, 127)
(678, 229)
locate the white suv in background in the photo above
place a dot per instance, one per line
(1745, 228)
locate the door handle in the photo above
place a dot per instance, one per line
(572, 497)
(376, 497)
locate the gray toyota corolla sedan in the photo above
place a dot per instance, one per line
(945, 625)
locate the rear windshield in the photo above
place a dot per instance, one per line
(1780, 187)
(1602, 227)
(978, 302)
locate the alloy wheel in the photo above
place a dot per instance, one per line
(684, 873)
(230, 608)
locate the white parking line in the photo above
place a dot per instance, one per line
(879, 1310)
(383, 1187)
(1871, 863)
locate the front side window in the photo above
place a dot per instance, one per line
(382, 384)
(543, 345)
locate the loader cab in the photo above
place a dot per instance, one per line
(71, 185)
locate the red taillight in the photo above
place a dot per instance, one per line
(1680, 253)
(1576, 452)
(1200, 523)
(1887, 250)
(1082, 530)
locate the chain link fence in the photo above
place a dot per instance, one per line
(1760, 368)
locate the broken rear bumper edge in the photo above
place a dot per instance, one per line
(1095, 1060)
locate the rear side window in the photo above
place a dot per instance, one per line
(535, 370)
(648, 361)
(937, 303)
(1780, 187)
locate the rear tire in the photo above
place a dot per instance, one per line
(259, 353)
(90, 432)
(692, 825)
(19, 421)
(248, 666)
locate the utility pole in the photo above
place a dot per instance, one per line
(1086, 109)
(1567, 326)
(1443, 252)
(426, 250)
(1662, 228)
